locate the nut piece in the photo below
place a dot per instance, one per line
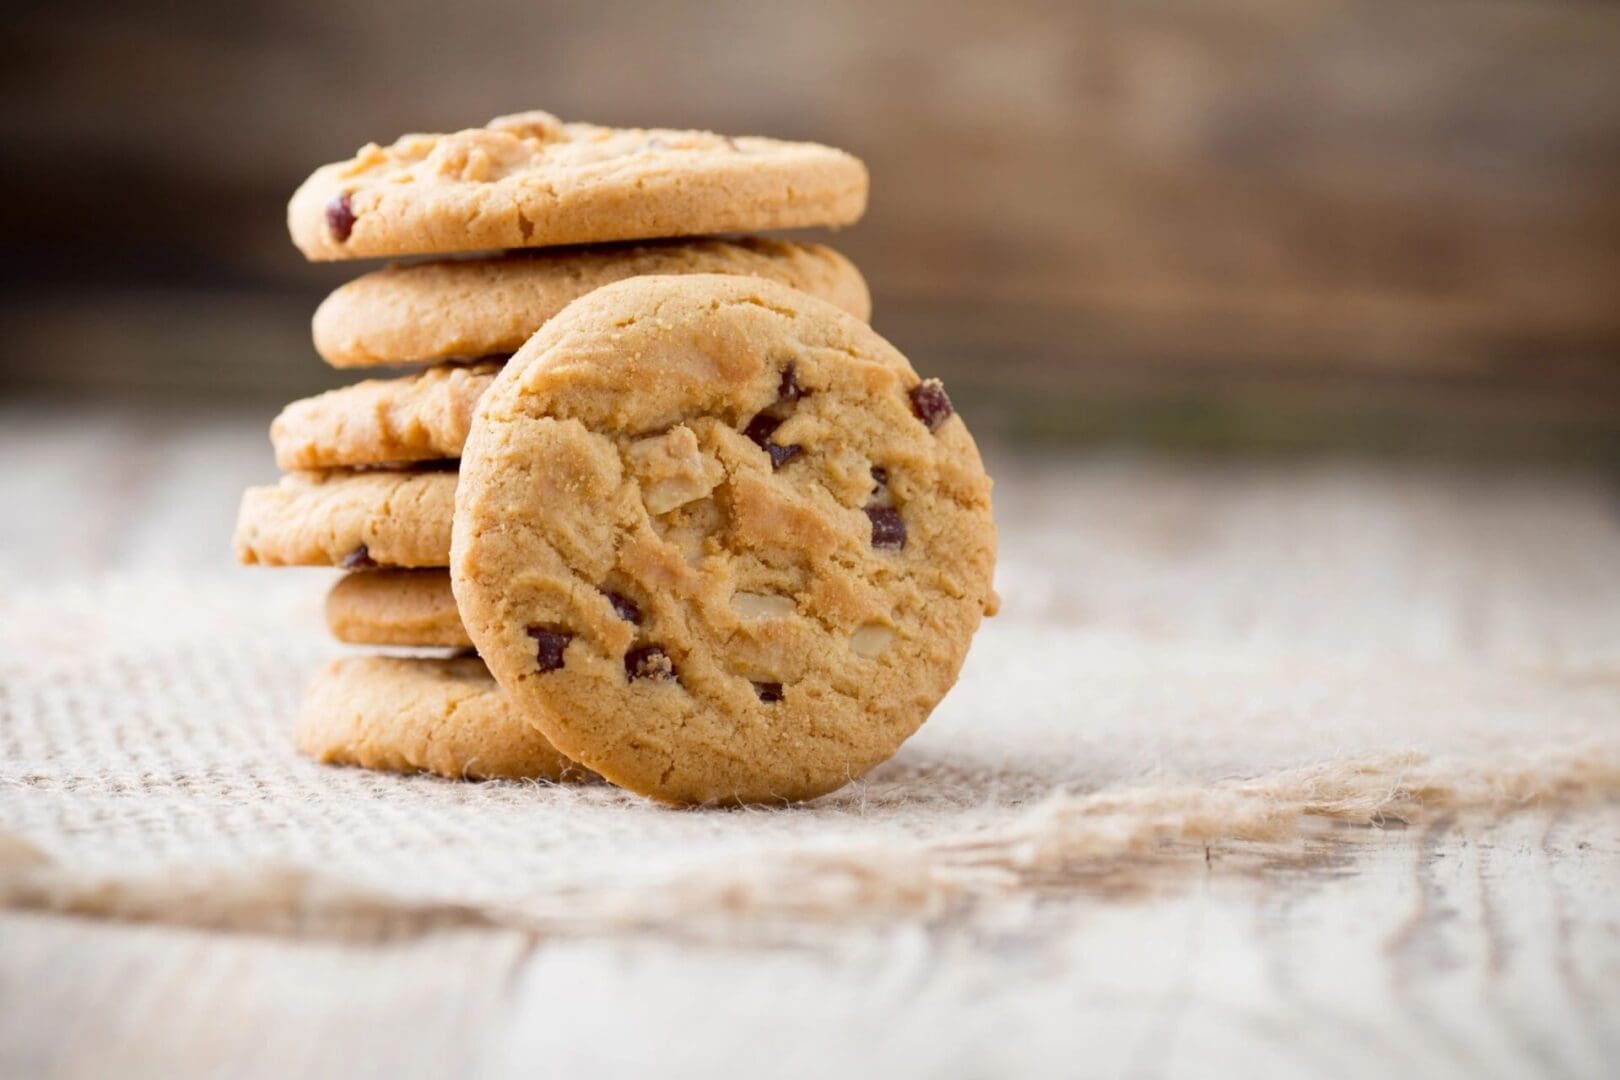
(870, 640)
(762, 605)
(672, 470)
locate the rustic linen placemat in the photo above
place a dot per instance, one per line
(1184, 659)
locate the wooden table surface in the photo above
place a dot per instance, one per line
(1458, 948)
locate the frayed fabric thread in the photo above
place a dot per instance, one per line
(1065, 837)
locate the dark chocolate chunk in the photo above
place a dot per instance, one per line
(624, 607)
(359, 559)
(340, 217)
(888, 527)
(768, 691)
(648, 662)
(759, 430)
(760, 427)
(549, 647)
(929, 402)
(790, 390)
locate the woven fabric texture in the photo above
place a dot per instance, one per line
(1185, 656)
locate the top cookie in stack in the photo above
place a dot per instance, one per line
(553, 211)
(530, 180)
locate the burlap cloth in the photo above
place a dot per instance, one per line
(1185, 657)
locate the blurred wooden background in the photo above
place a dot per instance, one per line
(1270, 223)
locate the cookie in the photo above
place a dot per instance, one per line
(470, 308)
(408, 715)
(718, 541)
(395, 607)
(356, 520)
(530, 180)
(420, 417)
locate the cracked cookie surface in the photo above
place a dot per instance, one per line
(356, 520)
(395, 607)
(461, 309)
(709, 545)
(403, 714)
(530, 180)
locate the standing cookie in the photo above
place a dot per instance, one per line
(530, 180)
(718, 541)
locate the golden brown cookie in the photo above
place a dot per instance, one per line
(395, 607)
(356, 520)
(454, 309)
(420, 417)
(718, 541)
(530, 180)
(409, 715)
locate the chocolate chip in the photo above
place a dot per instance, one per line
(340, 217)
(880, 474)
(888, 527)
(549, 647)
(760, 427)
(790, 390)
(624, 607)
(929, 402)
(759, 430)
(768, 691)
(648, 662)
(358, 559)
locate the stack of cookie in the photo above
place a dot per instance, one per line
(682, 538)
